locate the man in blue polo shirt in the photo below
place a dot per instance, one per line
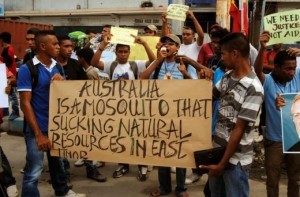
(285, 78)
(35, 105)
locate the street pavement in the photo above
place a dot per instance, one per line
(127, 186)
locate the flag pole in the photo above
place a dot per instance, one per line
(241, 8)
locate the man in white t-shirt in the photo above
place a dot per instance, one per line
(189, 46)
(122, 69)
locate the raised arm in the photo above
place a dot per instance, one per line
(96, 58)
(150, 54)
(198, 27)
(259, 62)
(160, 58)
(165, 28)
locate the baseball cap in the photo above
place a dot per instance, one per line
(172, 37)
(151, 27)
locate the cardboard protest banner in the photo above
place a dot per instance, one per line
(123, 35)
(290, 121)
(151, 122)
(284, 27)
(137, 51)
(177, 12)
(3, 84)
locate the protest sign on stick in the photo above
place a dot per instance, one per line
(3, 83)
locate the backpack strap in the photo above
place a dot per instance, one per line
(134, 68)
(157, 69)
(60, 69)
(34, 71)
(112, 68)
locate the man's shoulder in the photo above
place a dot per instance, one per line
(72, 62)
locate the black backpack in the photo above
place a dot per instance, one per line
(34, 71)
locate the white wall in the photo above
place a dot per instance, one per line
(22, 5)
(97, 20)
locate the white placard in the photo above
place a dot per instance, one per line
(3, 84)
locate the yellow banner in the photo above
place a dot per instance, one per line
(151, 122)
(177, 12)
(123, 35)
(137, 51)
(284, 27)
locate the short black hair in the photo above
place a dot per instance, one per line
(122, 45)
(42, 33)
(32, 30)
(62, 38)
(281, 57)
(220, 33)
(88, 31)
(189, 28)
(236, 41)
(86, 53)
(6, 37)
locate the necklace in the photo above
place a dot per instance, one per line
(168, 72)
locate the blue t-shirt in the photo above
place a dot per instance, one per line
(219, 73)
(172, 68)
(273, 120)
(40, 94)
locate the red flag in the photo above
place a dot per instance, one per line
(235, 13)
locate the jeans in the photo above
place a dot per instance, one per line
(8, 178)
(274, 158)
(14, 102)
(34, 168)
(232, 183)
(164, 177)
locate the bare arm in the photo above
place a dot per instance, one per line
(150, 54)
(259, 62)
(96, 58)
(42, 140)
(198, 27)
(206, 72)
(160, 58)
(293, 51)
(233, 143)
(165, 28)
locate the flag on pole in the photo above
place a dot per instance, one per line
(239, 16)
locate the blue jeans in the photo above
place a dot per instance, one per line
(165, 183)
(34, 168)
(232, 183)
(14, 102)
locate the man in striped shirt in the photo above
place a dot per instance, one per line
(241, 94)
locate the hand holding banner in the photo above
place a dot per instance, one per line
(177, 12)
